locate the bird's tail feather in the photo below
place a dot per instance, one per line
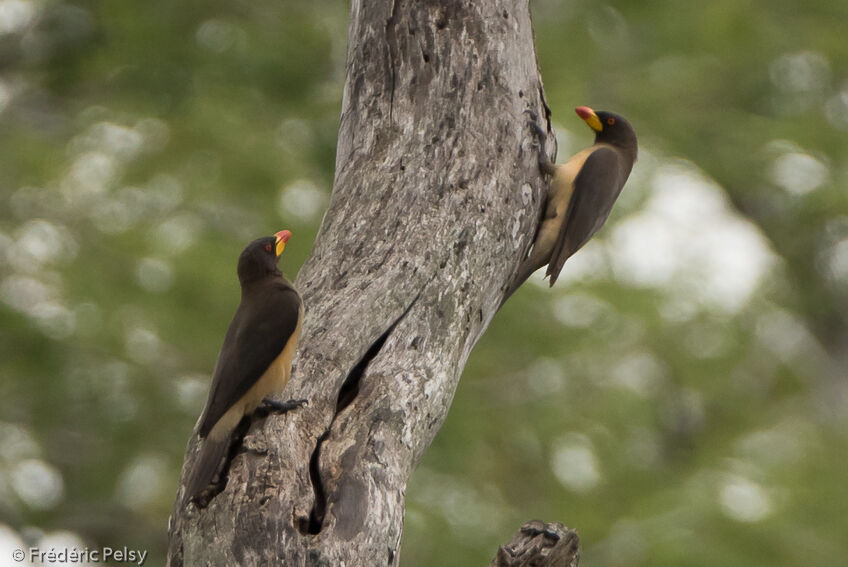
(526, 270)
(208, 463)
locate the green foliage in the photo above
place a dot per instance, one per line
(678, 398)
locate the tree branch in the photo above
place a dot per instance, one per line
(540, 545)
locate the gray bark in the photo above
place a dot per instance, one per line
(435, 200)
(540, 545)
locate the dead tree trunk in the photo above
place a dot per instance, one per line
(435, 200)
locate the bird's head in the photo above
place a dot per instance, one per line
(609, 128)
(260, 257)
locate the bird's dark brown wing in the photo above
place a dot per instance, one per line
(596, 188)
(262, 326)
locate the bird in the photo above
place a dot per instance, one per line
(582, 192)
(255, 359)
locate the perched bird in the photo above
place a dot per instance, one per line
(255, 360)
(582, 192)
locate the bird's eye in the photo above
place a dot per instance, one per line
(267, 248)
(610, 121)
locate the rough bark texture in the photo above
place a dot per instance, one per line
(540, 545)
(435, 201)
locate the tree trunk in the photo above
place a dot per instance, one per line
(435, 201)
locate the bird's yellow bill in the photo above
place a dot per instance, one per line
(589, 117)
(282, 237)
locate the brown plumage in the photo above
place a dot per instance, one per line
(255, 359)
(581, 195)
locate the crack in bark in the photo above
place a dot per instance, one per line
(312, 525)
(350, 387)
(391, 38)
(347, 393)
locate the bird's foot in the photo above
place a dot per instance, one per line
(541, 135)
(282, 407)
(538, 131)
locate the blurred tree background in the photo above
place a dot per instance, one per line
(680, 397)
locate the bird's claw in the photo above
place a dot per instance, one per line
(538, 143)
(283, 407)
(540, 133)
